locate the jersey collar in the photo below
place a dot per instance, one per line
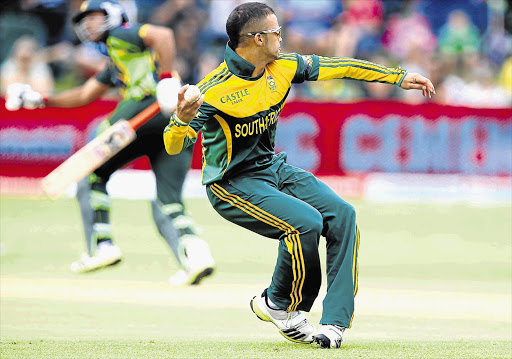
(238, 66)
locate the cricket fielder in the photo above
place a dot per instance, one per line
(252, 186)
(133, 52)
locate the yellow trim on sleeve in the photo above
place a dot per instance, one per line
(143, 31)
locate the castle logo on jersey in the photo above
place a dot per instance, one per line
(235, 97)
(271, 83)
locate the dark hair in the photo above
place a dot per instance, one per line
(242, 15)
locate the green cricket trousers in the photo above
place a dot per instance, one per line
(170, 172)
(289, 204)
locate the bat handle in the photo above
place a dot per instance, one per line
(144, 116)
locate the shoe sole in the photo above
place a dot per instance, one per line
(203, 274)
(322, 341)
(89, 270)
(262, 316)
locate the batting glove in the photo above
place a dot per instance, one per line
(167, 94)
(23, 96)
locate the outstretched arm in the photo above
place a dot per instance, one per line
(413, 81)
(319, 68)
(79, 96)
(23, 96)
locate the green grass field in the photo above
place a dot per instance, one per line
(435, 282)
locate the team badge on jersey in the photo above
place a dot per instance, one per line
(271, 83)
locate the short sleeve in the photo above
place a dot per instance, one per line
(105, 76)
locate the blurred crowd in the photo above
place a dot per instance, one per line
(463, 46)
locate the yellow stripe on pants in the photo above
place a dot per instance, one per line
(292, 239)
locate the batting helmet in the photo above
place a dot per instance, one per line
(115, 15)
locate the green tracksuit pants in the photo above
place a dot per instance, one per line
(289, 204)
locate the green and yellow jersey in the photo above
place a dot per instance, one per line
(239, 115)
(132, 64)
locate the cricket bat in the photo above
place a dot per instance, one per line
(95, 153)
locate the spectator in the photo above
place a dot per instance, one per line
(212, 37)
(459, 36)
(477, 88)
(186, 20)
(308, 25)
(146, 8)
(53, 14)
(496, 41)
(438, 11)
(15, 23)
(358, 29)
(408, 29)
(25, 65)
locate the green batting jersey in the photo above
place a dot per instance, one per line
(239, 115)
(132, 64)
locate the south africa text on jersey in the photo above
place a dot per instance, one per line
(257, 126)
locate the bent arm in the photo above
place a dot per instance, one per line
(186, 122)
(178, 136)
(160, 39)
(79, 96)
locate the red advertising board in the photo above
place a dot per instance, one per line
(325, 138)
(393, 137)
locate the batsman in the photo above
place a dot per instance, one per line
(140, 64)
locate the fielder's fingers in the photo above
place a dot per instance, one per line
(427, 82)
(200, 101)
(196, 104)
(416, 86)
(191, 108)
(181, 92)
(431, 87)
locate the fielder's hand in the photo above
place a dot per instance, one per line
(417, 82)
(186, 111)
(167, 95)
(22, 96)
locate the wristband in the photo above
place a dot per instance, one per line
(165, 75)
(177, 122)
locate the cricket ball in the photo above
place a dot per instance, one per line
(192, 94)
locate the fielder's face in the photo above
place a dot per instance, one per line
(268, 38)
(271, 38)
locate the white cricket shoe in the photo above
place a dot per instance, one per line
(199, 263)
(329, 336)
(107, 254)
(294, 325)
